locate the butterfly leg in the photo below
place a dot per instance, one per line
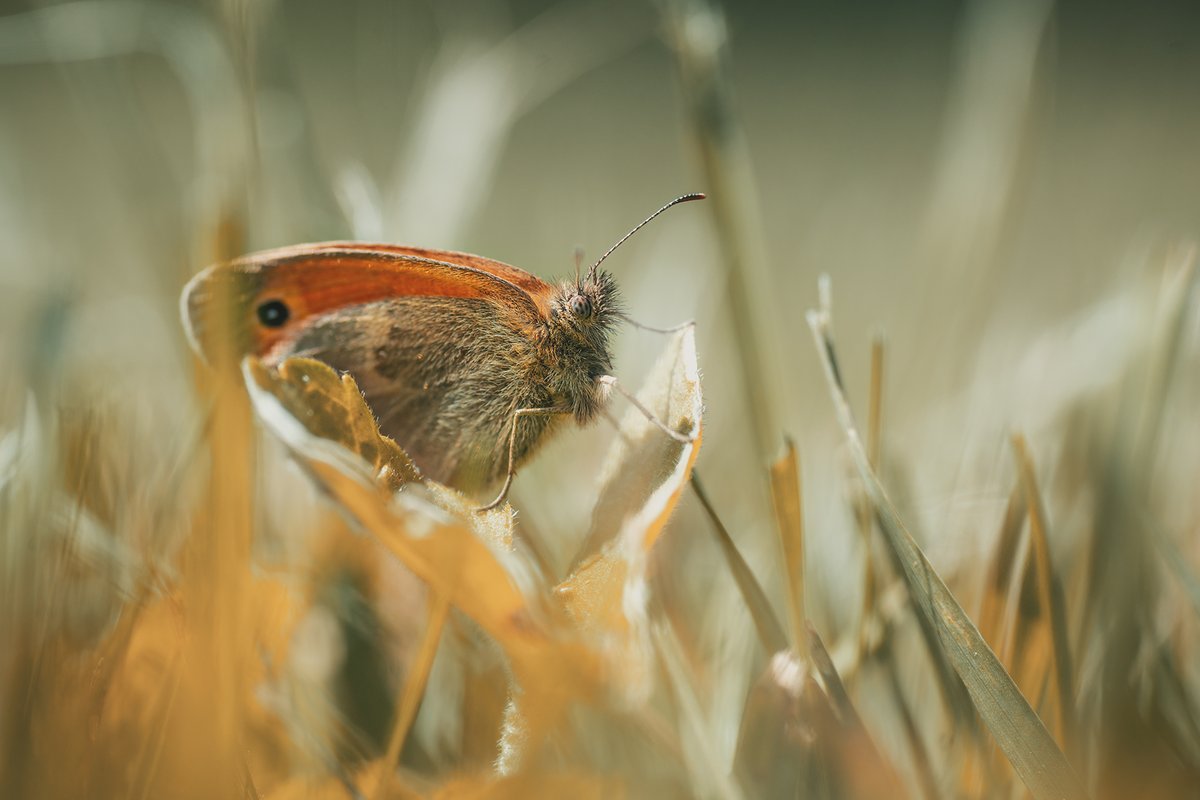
(610, 380)
(512, 444)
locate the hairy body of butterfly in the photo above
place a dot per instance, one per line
(449, 349)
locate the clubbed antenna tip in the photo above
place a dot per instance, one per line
(681, 199)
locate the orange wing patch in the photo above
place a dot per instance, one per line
(311, 280)
(535, 287)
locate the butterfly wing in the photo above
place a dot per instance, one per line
(315, 279)
(537, 289)
(442, 347)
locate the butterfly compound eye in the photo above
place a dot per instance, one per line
(273, 313)
(581, 306)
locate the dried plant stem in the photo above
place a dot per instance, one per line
(1021, 735)
(1122, 593)
(770, 632)
(993, 613)
(697, 32)
(920, 753)
(865, 518)
(414, 690)
(1177, 564)
(875, 773)
(786, 491)
(441, 182)
(151, 751)
(1050, 592)
(191, 45)
(687, 702)
(951, 687)
(1176, 300)
(875, 409)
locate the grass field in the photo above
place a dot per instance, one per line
(939, 536)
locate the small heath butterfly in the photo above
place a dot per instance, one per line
(468, 363)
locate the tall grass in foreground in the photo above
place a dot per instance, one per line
(272, 604)
(197, 670)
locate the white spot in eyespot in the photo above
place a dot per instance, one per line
(426, 386)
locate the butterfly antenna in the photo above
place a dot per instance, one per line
(578, 263)
(684, 199)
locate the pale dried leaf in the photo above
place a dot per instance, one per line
(644, 476)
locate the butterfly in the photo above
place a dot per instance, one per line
(468, 363)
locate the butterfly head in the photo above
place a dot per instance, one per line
(587, 307)
(583, 313)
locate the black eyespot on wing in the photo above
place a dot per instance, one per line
(273, 313)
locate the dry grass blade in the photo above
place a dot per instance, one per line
(414, 688)
(770, 632)
(1177, 564)
(868, 772)
(216, 582)
(997, 620)
(1136, 751)
(147, 763)
(697, 32)
(778, 748)
(1180, 282)
(789, 515)
(829, 676)
(922, 764)
(801, 736)
(1050, 598)
(441, 183)
(865, 518)
(875, 408)
(706, 769)
(953, 693)
(1000, 570)
(1030, 748)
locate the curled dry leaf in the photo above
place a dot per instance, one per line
(331, 407)
(644, 475)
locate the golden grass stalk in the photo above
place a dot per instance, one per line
(1051, 609)
(1017, 729)
(866, 520)
(770, 632)
(696, 30)
(789, 517)
(414, 690)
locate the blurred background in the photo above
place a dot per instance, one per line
(1003, 194)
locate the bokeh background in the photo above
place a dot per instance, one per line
(1001, 191)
